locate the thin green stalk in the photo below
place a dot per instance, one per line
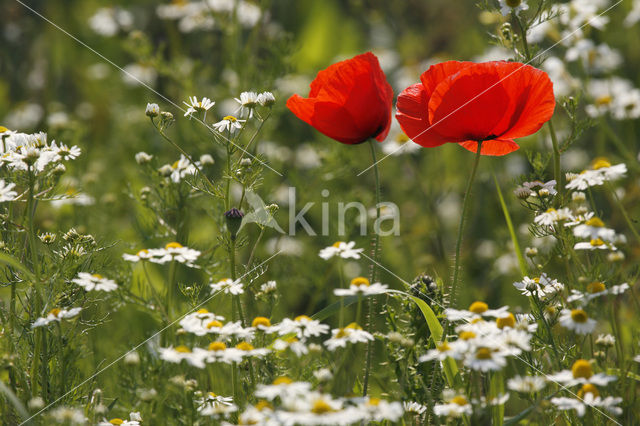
(512, 231)
(465, 202)
(170, 289)
(523, 33)
(227, 194)
(557, 172)
(374, 269)
(39, 336)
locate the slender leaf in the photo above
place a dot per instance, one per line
(11, 261)
(512, 232)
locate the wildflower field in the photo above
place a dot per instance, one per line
(337, 212)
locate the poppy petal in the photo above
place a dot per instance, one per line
(413, 117)
(531, 100)
(335, 121)
(495, 147)
(301, 107)
(438, 72)
(468, 104)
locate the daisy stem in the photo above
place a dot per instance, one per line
(557, 173)
(374, 269)
(624, 212)
(465, 202)
(39, 335)
(523, 33)
(170, 289)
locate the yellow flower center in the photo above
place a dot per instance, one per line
(476, 320)
(98, 276)
(588, 388)
(263, 405)
(55, 312)
(142, 252)
(604, 100)
(116, 421)
(460, 400)
(483, 353)
(595, 222)
(341, 333)
(202, 311)
(354, 326)
(217, 346)
(443, 347)
(284, 380)
(212, 395)
(261, 321)
(581, 369)
(600, 163)
(214, 323)
(183, 349)
(467, 335)
(537, 280)
(478, 307)
(230, 118)
(551, 210)
(245, 346)
(508, 321)
(337, 244)
(596, 287)
(3, 129)
(360, 281)
(302, 318)
(374, 401)
(597, 242)
(320, 406)
(175, 165)
(402, 138)
(579, 316)
(173, 245)
(551, 310)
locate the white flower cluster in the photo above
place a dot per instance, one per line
(171, 252)
(201, 15)
(22, 151)
(341, 249)
(601, 171)
(288, 402)
(56, 315)
(94, 282)
(483, 345)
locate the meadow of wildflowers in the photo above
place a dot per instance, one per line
(232, 212)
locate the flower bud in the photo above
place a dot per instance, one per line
(152, 110)
(206, 160)
(234, 220)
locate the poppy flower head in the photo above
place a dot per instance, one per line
(467, 102)
(350, 101)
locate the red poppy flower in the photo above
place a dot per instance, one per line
(467, 102)
(350, 101)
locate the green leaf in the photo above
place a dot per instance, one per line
(13, 399)
(11, 261)
(448, 365)
(512, 232)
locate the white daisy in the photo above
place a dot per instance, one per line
(282, 387)
(228, 123)
(580, 373)
(56, 314)
(194, 105)
(6, 191)
(352, 333)
(552, 216)
(517, 6)
(577, 320)
(341, 249)
(362, 286)
(596, 289)
(303, 326)
(485, 358)
(94, 282)
(200, 322)
(542, 287)
(526, 384)
(457, 407)
(266, 99)
(299, 348)
(589, 399)
(476, 310)
(415, 408)
(227, 286)
(171, 252)
(152, 110)
(248, 101)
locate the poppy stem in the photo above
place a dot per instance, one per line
(374, 269)
(465, 202)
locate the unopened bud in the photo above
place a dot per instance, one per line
(234, 220)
